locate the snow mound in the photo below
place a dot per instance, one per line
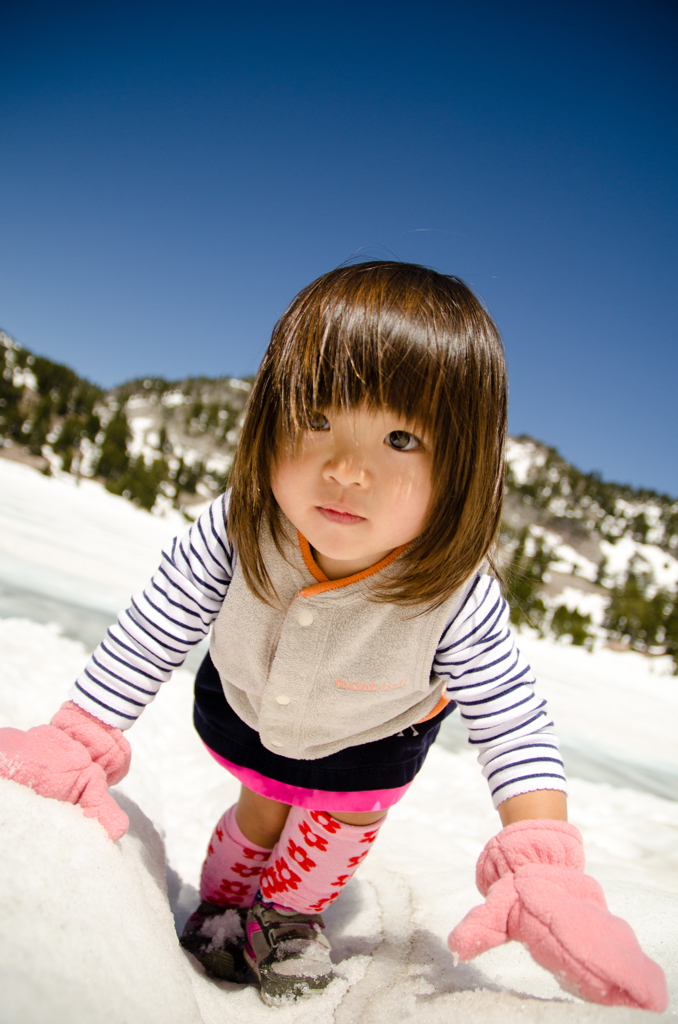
(87, 933)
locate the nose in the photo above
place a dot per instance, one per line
(346, 467)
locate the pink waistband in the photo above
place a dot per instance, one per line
(313, 799)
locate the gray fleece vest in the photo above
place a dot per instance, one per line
(326, 668)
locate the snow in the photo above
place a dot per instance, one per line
(222, 927)
(522, 457)
(585, 603)
(566, 558)
(24, 379)
(218, 462)
(172, 399)
(664, 566)
(144, 439)
(76, 541)
(619, 556)
(87, 930)
(621, 702)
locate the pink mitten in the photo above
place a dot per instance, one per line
(73, 759)
(533, 876)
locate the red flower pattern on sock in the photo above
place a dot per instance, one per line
(231, 858)
(333, 860)
(324, 819)
(245, 872)
(311, 839)
(299, 855)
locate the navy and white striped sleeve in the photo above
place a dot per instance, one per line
(489, 679)
(153, 636)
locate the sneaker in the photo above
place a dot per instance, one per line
(287, 951)
(216, 937)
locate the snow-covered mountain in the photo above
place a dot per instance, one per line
(156, 442)
(581, 558)
(588, 559)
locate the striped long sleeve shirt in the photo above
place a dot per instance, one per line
(484, 673)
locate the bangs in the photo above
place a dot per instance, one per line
(381, 335)
(374, 368)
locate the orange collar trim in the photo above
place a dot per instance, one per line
(323, 584)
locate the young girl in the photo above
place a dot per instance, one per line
(343, 578)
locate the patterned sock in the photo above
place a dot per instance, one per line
(233, 865)
(313, 860)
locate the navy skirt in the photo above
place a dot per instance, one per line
(387, 764)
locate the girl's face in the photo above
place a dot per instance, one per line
(357, 485)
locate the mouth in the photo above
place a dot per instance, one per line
(339, 515)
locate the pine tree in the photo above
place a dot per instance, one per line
(114, 461)
(573, 624)
(671, 633)
(630, 614)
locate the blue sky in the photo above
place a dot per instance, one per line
(173, 173)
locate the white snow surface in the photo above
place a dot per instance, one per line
(87, 929)
(74, 540)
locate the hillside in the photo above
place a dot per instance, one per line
(582, 558)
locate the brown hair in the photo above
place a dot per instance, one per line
(397, 336)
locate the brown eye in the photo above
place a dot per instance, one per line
(402, 441)
(318, 422)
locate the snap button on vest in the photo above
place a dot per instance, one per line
(282, 698)
(304, 617)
